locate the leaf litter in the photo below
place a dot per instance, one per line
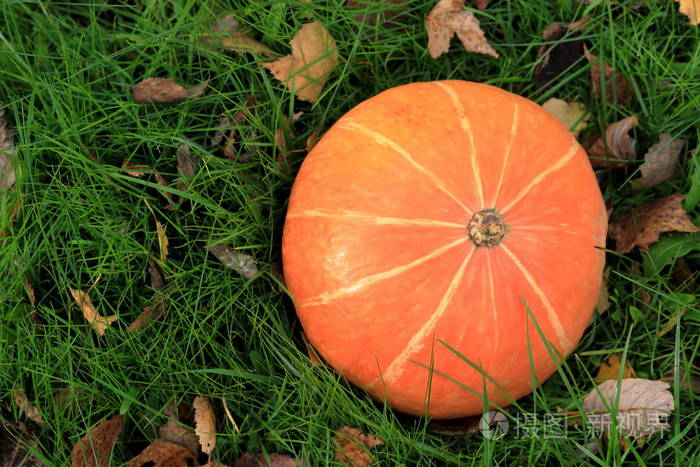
(563, 50)
(240, 262)
(93, 449)
(30, 410)
(205, 423)
(616, 148)
(161, 453)
(572, 114)
(610, 369)
(98, 322)
(164, 91)
(352, 447)
(617, 86)
(227, 33)
(449, 18)
(661, 161)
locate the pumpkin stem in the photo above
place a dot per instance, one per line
(487, 228)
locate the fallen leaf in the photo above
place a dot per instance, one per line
(7, 144)
(17, 445)
(661, 161)
(273, 460)
(691, 9)
(610, 369)
(481, 4)
(312, 139)
(564, 49)
(175, 432)
(160, 180)
(94, 448)
(153, 311)
(214, 463)
(573, 115)
(162, 242)
(134, 170)
(617, 148)
(232, 259)
(313, 354)
(643, 226)
(27, 408)
(306, 70)
(227, 33)
(352, 447)
(162, 453)
(456, 427)
(205, 423)
(641, 411)
(99, 323)
(281, 144)
(164, 91)
(618, 88)
(447, 18)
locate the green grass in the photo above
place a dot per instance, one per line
(66, 69)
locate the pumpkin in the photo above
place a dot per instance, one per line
(443, 245)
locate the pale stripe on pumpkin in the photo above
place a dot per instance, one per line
(382, 220)
(509, 147)
(349, 124)
(326, 297)
(565, 344)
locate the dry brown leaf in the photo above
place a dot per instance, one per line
(642, 407)
(312, 139)
(274, 460)
(205, 423)
(456, 427)
(31, 294)
(313, 354)
(153, 311)
(232, 259)
(134, 170)
(447, 18)
(481, 4)
(661, 161)
(94, 448)
(17, 445)
(27, 408)
(618, 88)
(214, 463)
(227, 33)
(610, 368)
(643, 227)
(185, 162)
(559, 56)
(162, 242)
(352, 447)
(7, 144)
(314, 56)
(162, 453)
(617, 147)
(99, 323)
(691, 9)
(177, 433)
(164, 91)
(572, 114)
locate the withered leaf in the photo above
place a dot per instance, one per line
(163, 242)
(99, 323)
(661, 161)
(205, 423)
(162, 453)
(447, 18)
(642, 408)
(456, 427)
(164, 91)
(617, 147)
(7, 144)
(572, 114)
(618, 88)
(15, 446)
(352, 447)
(314, 56)
(93, 449)
(153, 311)
(643, 226)
(176, 432)
(691, 9)
(273, 460)
(481, 4)
(558, 57)
(232, 259)
(312, 139)
(227, 33)
(134, 170)
(27, 408)
(610, 368)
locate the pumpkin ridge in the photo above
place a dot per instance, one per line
(395, 368)
(514, 127)
(467, 128)
(564, 343)
(568, 156)
(382, 220)
(327, 297)
(382, 140)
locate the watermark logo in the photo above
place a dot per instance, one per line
(493, 424)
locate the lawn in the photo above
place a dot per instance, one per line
(77, 219)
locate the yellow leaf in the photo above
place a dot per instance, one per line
(99, 323)
(572, 114)
(691, 9)
(610, 368)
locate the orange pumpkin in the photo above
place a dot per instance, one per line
(438, 211)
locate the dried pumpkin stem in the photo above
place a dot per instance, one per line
(487, 228)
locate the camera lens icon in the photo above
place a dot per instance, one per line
(493, 425)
